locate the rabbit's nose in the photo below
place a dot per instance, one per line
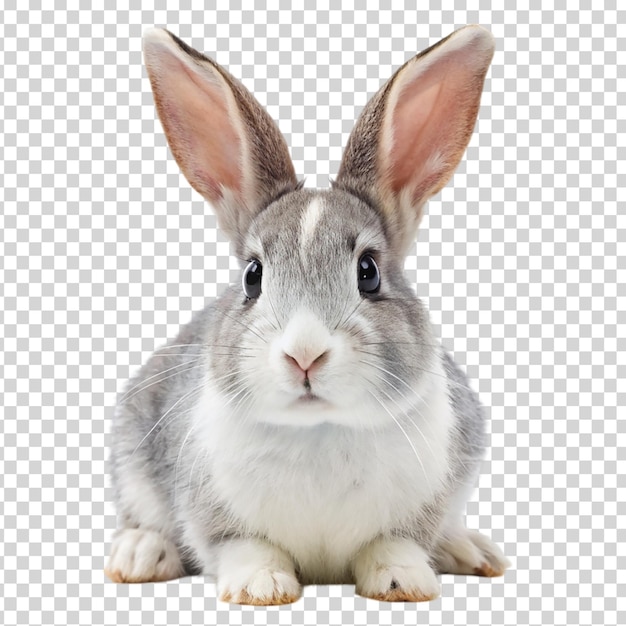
(305, 343)
(306, 362)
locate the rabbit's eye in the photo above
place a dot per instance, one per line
(369, 276)
(252, 279)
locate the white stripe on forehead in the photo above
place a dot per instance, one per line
(310, 219)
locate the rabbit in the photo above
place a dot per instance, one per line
(307, 427)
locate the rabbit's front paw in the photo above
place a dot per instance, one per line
(464, 551)
(139, 555)
(395, 570)
(254, 572)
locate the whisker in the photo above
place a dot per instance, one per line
(128, 394)
(236, 390)
(249, 328)
(160, 354)
(356, 308)
(179, 345)
(340, 317)
(235, 372)
(406, 412)
(274, 311)
(193, 465)
(417, 456)
(156, 382)
(223, 345)
(450, 450)
(181, 399)
(178, 458)
(386, 371)
(269, 322)
(402, 343)
(247, 401)
(402, 395)
(246, 398)
(240, 356)
(413, 366)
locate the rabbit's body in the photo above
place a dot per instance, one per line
(307, 427)
(320, 492)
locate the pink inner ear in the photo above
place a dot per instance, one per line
(194, 113)
(431, 124)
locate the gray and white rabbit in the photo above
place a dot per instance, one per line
(307, 427)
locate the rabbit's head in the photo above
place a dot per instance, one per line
(325, 326)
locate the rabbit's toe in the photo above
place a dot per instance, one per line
(139, 555)
(395, 571)
(264, 587)
(469, 552)
(254, 572)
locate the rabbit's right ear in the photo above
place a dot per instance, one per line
(413, 132)
(225, 143)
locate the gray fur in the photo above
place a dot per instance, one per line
(317, 274)
(397, 319)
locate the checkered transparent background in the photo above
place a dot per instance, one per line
(106, 251)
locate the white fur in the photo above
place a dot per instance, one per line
(411, 216)
(463, 551)
(293, 482)
(258, 570)
(305, 338)
(310, 219)
(277, 386)
(322, 493)
(142, 555)
(399, 560)
(141, 500)
(342, 382)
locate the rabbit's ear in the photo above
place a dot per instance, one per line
(225, 143)
(412, 134)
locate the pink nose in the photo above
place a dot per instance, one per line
(307, 362)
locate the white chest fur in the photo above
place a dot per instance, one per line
(323, 492)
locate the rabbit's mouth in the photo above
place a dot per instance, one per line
(309, 398)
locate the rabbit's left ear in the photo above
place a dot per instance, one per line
(224, 141)
(412, 134)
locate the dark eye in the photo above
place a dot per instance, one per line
(369, 277)
(252, 279)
